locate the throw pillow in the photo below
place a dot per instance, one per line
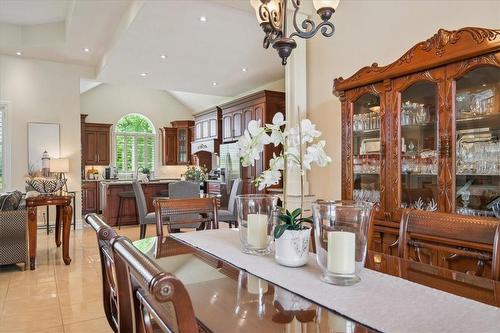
(10, 200)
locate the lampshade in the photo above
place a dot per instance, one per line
(326, 4)
(271, 5)
(59, 165)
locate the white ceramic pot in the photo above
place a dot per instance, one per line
(292, 248)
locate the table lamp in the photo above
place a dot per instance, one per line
(60, 166)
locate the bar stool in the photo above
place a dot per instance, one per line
(121, 197)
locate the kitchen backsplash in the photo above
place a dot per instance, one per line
(164, 171)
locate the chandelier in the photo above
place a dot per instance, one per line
(272, 17)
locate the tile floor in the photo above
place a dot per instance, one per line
(55, 297)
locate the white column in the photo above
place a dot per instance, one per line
(296, 104)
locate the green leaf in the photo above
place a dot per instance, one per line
(296, 212)
(306, 219)
(285, 218)
(288, 213)
(279, 230)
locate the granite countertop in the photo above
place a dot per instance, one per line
(126, 181)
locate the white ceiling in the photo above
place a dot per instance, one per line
(198, 53)
(127, 38)
(30, 12)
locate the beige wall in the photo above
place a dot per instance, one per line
(108, 103)
(41, 91)
(370, 31)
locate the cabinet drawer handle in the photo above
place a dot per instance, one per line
(97, 157)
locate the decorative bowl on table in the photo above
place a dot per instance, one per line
(45, 185)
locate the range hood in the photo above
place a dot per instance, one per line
(210, 146)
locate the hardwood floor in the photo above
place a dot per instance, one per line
(55, 297)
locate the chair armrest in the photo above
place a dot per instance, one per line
(13, 223)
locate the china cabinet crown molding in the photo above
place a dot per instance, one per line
(443, 47)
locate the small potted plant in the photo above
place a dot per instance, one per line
(196, 174)
(292, 239)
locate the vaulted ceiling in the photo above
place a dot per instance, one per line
(220, 55)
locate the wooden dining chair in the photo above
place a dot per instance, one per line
(104, 236)
(451, 240)
(159, 300)
(203, 209)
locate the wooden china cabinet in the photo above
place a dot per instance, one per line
(424, 131)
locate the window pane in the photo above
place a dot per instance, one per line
(140, 152)
(150, 146)
(134, 123)
(120, 139)
(129, 159)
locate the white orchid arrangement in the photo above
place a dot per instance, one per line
(301, 149)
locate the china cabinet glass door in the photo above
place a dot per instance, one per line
(477, 145)
(366, 125)
(419, 159)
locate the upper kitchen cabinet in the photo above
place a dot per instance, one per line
(208, 125)
(96, 144)
(176, 142)
(184, 138)
(258, 106)
(236, 115)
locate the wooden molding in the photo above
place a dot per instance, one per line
(444, 47)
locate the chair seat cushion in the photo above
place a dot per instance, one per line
(225, 216)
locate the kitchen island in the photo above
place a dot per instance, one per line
(129, 216)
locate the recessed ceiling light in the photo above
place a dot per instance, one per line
(163, 56)
(19, 53)
(214, 83)
(243, 69)
(203, 19)
(86, 50)
(143, 74)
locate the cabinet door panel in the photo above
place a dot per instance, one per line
(198, 131)
(103, 155)
(90, 147)
(227, 127)
(417, 173)
(237, 124)
(248, 115)
(170, 146)
(213, 128)
(474, 148)
(205, 129)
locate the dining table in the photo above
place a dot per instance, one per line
(227, 298)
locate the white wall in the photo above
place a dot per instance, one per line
(108, 103)
(41, 91)
(370, 31)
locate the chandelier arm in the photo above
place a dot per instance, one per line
(327, 29)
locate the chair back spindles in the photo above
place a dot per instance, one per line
(460, 237)
(105, 234)
(158, 299)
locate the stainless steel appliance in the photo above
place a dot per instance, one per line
(229, 164)
(110, 173)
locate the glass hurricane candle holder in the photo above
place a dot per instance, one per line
(341, 234)
(256, 214)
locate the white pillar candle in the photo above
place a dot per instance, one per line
(255, 285)
(341, 252)
(257, 230)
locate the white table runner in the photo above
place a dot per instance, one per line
(380, 301)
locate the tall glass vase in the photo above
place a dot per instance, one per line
(341, 234)
(256, 222)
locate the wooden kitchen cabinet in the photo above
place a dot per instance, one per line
(90, 197)
(207, 124)
(176, 142)
(413, 132)
(169, 145)
(236, 116)
(96, 144)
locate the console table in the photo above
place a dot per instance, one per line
(63, 218)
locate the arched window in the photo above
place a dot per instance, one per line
(135, 143)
